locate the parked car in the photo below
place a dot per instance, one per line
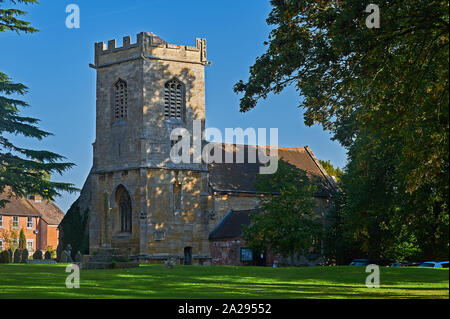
(360, 262)
(435, 264)
(398, 264)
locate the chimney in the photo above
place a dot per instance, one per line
(35, 198)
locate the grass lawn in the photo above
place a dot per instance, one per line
(155, 281)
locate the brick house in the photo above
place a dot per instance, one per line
(38, 218)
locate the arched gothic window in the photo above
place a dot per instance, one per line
(125, 210)
(120, 100)
(174, 99)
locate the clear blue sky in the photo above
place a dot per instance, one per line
(54, 65)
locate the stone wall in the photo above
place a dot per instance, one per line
(223, 203)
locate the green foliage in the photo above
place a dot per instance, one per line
(10, 255)
(384, 95)
(37, 254)
(17, 256)
(5, 257)
(24, 258)
(339, 245)
(22, 240)
(285, 222)
(48, 255)
(26, 171)
(13, 241)
(50, 252)
(74, 230)
(331, 170)
(9, 18)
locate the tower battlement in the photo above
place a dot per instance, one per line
(149, 45)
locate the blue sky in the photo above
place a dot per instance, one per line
(53, 63)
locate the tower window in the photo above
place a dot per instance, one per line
(120, 100)
(174, 99)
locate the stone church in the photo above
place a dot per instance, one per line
(135, 199)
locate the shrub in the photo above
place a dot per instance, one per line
(48, 255)
(5, 257)
(10, 255)
(52, 252)
(37, 255)
(22, 240)
(17, 256)
(25, 256)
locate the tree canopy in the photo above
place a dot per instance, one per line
(384, 95)
(284, 221)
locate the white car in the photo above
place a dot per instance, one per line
(435, 264)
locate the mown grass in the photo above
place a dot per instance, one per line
(156, 281)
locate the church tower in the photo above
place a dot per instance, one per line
(143, 203)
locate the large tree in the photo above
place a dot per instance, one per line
(383, 93)
(25, 171)
(285, 221)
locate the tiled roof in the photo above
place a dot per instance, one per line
(48, 211)
(240, 177)
(16, 206)
(45, 209)
(231, 225)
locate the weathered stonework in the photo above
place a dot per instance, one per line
(172, 207)
(134, 152)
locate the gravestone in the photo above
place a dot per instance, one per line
(37, 255)
(78, 257)
(63, 258)
(48, 255)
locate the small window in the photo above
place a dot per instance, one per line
(1, 221)
(1, 244)
(174, 99)
(29, 222)
(120, 100)
(177, 196)
(15, 224)
(246, 254)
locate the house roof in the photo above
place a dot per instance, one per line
(16, 206)
(45, 209)
(231, 225)
(240, 177)
(49, 212)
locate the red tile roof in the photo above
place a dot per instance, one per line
(45, 209)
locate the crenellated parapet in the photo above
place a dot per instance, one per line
(150, 46)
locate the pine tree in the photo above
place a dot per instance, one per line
(22, 240)
(24, 170)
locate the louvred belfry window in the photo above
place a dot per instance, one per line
(174, 99)
(120, 100)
